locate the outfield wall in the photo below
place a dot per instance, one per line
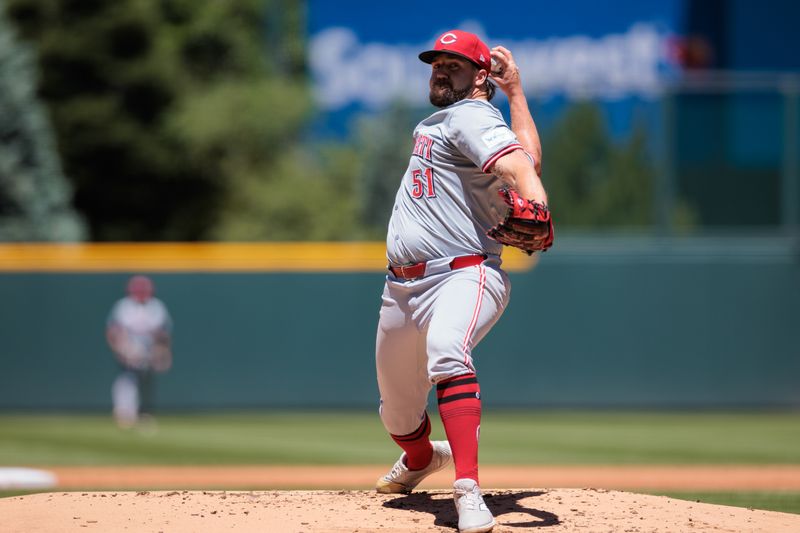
(596, 323)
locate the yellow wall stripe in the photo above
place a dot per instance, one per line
(209, 257)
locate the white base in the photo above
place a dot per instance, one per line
(25, 478)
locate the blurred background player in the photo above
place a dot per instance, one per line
(139, 332)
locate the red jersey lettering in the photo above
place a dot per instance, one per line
(423, 146)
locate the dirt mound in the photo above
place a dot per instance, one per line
(554, 510)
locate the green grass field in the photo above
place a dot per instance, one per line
(507, 437)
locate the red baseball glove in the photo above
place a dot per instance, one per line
(527, 225)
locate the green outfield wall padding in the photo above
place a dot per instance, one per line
(651, 329)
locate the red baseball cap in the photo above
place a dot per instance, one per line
(460, 43)
(141, 287)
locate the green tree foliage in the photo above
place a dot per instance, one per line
(34, 193)
(173, 115)
(590, 180)
(385, 142)
(308, 196)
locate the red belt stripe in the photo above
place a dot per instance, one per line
(417, 270)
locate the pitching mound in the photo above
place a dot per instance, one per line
(557, 510)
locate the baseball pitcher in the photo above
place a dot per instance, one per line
(472, 185)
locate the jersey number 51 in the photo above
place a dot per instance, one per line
(422, 183)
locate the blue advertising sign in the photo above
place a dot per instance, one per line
(364, 54)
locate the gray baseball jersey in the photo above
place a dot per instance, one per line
(141, 323)
(447, 201)
(445, 205)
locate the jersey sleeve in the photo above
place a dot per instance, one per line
(480, 133)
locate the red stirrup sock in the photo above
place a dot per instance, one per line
(460, 409)
(417, 446)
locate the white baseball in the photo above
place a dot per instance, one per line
(497, 70)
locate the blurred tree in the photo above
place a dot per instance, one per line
(590, 180)
(308, 196)
(34, 193)
(167, 110)
(385, 141)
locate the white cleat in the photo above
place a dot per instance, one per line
(473, 515)
(401, 480)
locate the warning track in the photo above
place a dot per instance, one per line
(239, 477)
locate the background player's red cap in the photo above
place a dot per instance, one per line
(460, 43)
(141, 287)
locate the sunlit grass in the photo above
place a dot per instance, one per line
(336, 437)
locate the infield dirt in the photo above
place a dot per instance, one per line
(516, 510)
(310, 511)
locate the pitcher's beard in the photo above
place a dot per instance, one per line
(445, 95)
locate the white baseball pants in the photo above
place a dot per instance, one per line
(426, 333)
